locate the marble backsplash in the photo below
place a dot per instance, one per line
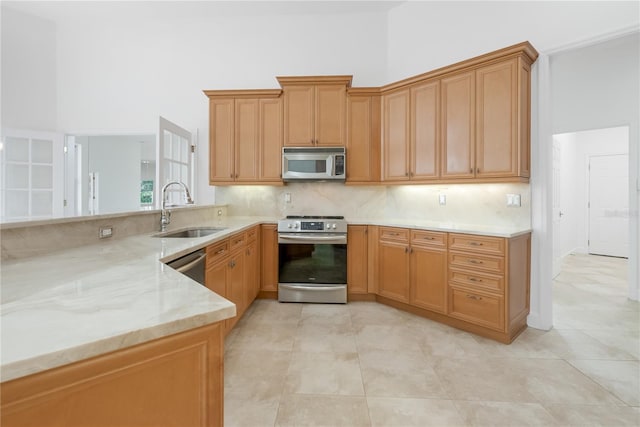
(478, 204)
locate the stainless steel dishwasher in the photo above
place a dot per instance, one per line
(191, 265)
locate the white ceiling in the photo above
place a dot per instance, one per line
(70, 11)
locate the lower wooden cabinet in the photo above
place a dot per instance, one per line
(357, 255)
(429, 270)
(269, 260)
(172, 381)
(232, 271)
(476, 283)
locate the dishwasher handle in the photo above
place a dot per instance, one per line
(190, 265)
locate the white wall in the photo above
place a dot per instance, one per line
(28, 72)
(425, 35)
(577, 147)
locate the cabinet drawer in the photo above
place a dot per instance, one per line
(395, 234)
(476, 262)
(428, 238)
(476, 280)
(237, 241)
(476, 244)
(217, 252)
(251, 235)
(478, 308)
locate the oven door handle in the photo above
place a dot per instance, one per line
(309, 288)
(313, 239)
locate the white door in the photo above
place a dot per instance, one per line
(557, 211)
(175, 161)
(609, 205)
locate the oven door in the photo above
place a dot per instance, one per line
(312, 268)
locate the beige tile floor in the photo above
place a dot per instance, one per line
(366, 364)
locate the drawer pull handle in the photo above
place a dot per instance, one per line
(473, 279)
(429, 238)
(475, 243)
(474, 297)
(221, 251)
(475, 261)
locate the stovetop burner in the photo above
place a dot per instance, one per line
(313, 217)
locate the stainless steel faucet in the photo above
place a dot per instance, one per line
(165, 217)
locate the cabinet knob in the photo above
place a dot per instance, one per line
(231, 176)
(406, 174)
(471, 170)
(477, 170)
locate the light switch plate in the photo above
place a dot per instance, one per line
(514, 200)
(105, 232)
(442, 199)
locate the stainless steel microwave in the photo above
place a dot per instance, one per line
(313, 164)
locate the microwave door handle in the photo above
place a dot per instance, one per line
(332, 166)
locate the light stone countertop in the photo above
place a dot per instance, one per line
(449, 227)
(79, 303)
(83, 302)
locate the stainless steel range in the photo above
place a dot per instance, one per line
(312, 259)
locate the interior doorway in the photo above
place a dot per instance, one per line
(591, 193)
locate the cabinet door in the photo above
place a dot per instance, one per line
(215, 278)
(330, 115)
(496, 123)
(269, 257)
(270, 140)
(395, 139)
(393, 279)
(246, 139)
(251, 272)
(363, 140)
(235, 286)
(357, 259)
(221, 143)
(458, 126)
(429, 278)
(425, 131)
(299, 115)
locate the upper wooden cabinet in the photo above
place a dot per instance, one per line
(458, 126)
(315, 110)
(411, 135)
(245, 137)
(363, 135)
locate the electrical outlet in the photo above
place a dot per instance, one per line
(105, 232)
(287, 197)
(442, 199)
(513, 200)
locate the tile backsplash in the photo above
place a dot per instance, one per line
(481, 204)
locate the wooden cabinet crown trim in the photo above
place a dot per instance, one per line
(364, 91)
(315, 80)
(524, 50)
(244, 93)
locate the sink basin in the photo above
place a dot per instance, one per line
(191, 232)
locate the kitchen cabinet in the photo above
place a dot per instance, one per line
(395, 139)
(252, 269)
(225, 274)
(245, 137)
(363, 135)
(171, 381)
(486, 122)
(357, 259)
(428, 255)
(413, 267)
(475, 283)
(458, 125)
(393, 270)
(315, 110)
(269, 260)
(411, 142)
(488, 283)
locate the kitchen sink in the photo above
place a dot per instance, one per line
(191, 232)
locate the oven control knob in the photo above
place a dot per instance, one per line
(333, 226)
(289, 225)
(328, 226)
(295, 225)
